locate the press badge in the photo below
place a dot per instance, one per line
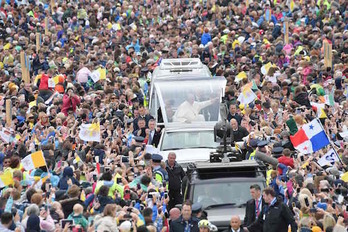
(264, 217)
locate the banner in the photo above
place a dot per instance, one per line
(329, 158)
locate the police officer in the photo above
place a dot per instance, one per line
(275, 215)
(261, 146)
(159, 173)
(198, 212)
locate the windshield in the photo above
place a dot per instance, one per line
(208, 194)
(190, 101)
(188, 139)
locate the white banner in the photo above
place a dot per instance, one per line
(329, 158)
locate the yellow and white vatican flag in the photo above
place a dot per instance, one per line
(34, 160)
(6, 179)
(90, 132)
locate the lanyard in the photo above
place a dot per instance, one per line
(258, 207)
(269, 206)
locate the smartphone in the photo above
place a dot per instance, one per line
(95, 177)
(306, 202)
(150, 196)
(275, 125)
(118, 180)
(302, 158)
(165, 194)
(125, 159)
(334, 205)
(63, 222)
(106, 169)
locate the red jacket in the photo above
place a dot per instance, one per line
(70, 102)
(288, 161)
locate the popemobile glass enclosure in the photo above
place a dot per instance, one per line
(189, 100)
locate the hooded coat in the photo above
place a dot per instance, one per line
(106, 223)
(67, 174)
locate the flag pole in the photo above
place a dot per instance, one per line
(331, 143)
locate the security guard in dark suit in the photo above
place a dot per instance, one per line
(253, 206)
(275, 216)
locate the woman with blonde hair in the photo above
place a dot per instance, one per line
(328, 221)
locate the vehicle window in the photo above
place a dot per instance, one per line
(222, 193)
(188, 139)
(194, 101)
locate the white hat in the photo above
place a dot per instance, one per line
(226, 31)
(126, 226)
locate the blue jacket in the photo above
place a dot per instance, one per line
(205, 38)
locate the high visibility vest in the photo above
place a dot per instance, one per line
(252, 155)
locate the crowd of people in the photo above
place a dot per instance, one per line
(92, 64)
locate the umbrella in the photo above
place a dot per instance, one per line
(82, 75)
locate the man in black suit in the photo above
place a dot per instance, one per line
(154, 134)
(239, 132)
(275, 215)
(233, 114)
(185, 222)
(142, 114)
(253, 206)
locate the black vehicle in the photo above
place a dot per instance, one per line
(223, 188)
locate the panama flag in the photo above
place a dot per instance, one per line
(310, 138)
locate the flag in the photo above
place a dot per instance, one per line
(77, 159)
(266, 67)
(102, 72)
(292, 5)
(329, 100)
(254, 86)
(292, 126)
(246, 96)
(6, 179)
(319, 108)
(242, 75)
(83, 195)
(98, 168)
(34, 160)
(310, 138)
(344, 177)
(329, 158)
(90, 132)
(38, 185)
